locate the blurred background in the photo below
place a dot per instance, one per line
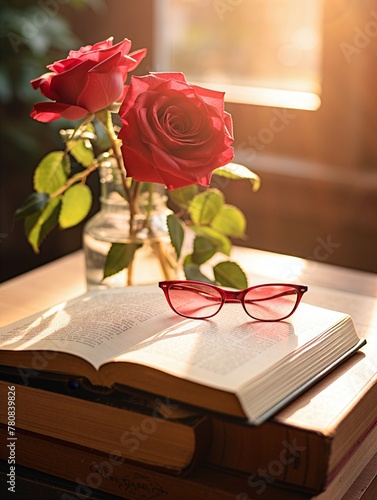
(300, 81)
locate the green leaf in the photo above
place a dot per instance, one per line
(51, 173)
(38, 225)
(34, 203)
(204, 249)
(230, 274)
(204, 207)
(192, 272)
(220, 241)
(82, 151)
(183, 196)
(176, 233)
(119, 257)
(230, 221)
(76, 203)
(237, 171)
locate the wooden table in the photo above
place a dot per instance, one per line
(64, 279)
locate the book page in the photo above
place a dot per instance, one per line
(228, 350)
(331, 399)
(95, 326)
(135, 324)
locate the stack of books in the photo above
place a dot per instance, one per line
(114, 394)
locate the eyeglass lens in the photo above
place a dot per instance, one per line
(195, 301)
(270, 302)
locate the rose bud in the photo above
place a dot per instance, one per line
(89, 80)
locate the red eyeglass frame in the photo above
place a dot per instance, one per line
(232, 296)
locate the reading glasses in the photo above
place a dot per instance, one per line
(197, 300)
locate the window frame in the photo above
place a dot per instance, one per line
(240, 94)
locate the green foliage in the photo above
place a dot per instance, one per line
(204, 206)
(204, 249)
(213, 223)
(39, 224)
(229, 221)
(51, 173)
(230, 274)
(82, 151)
(219, 241)
(119, 257)
(34, 203)
(76, 203)
(61, 196)
(192, 272)
(176, 233)
(236, 171)
(183, 196)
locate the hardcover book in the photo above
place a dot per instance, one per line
(151, 431)
(305, 453)
(90, 471)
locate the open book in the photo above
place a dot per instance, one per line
(229, 363)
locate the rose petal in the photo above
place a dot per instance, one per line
(109, 64)
(229, 125)
(137, 56)
(50, 111)
(139, 168)
(124, 46)
(168, 167)
(165, 76)
(102, 89)
(138, 85)
(63, 65)
(213, 98)
(124, 92)
(100, 54)
(104, 44)
(68, 86)
(91, 48)
(43, 83)
(104, 85)
(143, 170)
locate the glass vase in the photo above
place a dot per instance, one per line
(154, 259)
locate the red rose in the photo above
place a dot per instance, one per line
(174, 133)
(90, 79)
